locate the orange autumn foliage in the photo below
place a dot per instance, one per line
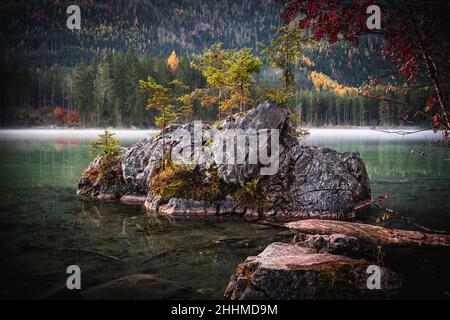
(172, 61)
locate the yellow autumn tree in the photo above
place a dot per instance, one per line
(322, 81)
(172, 61)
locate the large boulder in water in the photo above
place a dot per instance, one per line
(308, 182)
(289, 272)
(103, 180)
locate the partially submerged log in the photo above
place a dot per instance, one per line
(370, 233)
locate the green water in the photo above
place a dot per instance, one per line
(42, 220)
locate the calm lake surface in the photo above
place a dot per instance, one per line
(43, 223)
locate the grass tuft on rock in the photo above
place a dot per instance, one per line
(180, 181)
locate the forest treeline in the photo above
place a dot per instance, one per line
(106, 93)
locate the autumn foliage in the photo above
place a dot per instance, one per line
(322, 81)
(65, 117)
(416, 40)
(172, 61)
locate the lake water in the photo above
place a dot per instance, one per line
(43, 223)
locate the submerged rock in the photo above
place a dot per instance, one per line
(309, 182)
(138, 287)
(289, 272)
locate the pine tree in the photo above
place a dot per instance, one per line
(228, 74)
(106, 146)
(240, 75)
(83, 91)
(103, 91)
(285, 51)
(166, 100)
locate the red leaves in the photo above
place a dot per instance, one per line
(59, 114)
(375, 81)
(333, 37)
(312, 8)
(65, 116)
(291, 11)
(407, 69)
(73, 117)
(334, 16)
(329, 18)
(318, 35)
(411, 35)
(436, 122)
(407, 73)
(304, 23)
(439, 121)
(430, 103)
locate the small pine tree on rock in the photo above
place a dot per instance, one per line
(106, 146)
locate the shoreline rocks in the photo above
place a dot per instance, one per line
(343, 250)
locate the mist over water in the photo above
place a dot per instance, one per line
(318, 135)
(324, 136)
(125, 135)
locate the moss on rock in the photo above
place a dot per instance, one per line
(181, 181)
(107, 171)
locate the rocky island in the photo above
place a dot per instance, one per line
(310, 181)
